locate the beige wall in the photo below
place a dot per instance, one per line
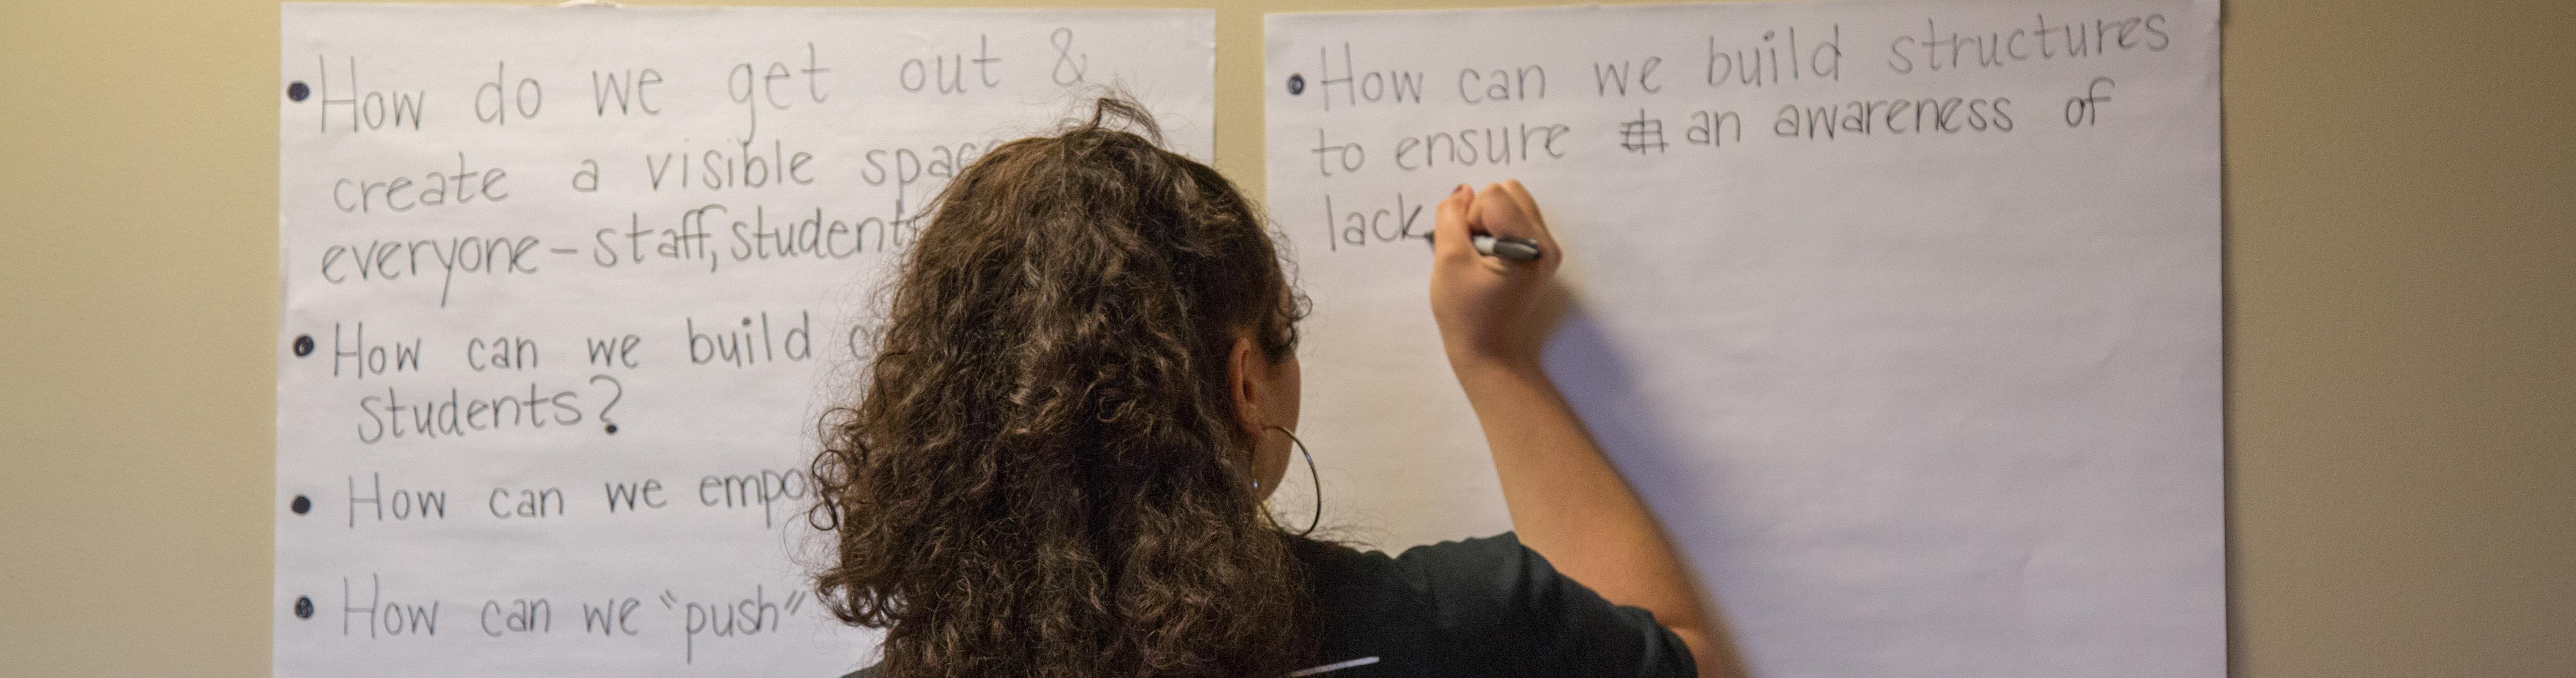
(2401, 289)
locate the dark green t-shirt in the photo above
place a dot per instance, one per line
(1480, 608)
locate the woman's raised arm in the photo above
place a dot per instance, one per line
(1566, 501)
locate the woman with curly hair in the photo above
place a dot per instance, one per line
(1086, 387)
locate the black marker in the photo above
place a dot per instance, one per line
(1510, 247)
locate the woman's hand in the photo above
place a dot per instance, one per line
(1488, 307)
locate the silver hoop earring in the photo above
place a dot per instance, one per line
(1310, 473)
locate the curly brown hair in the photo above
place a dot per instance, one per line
(1044, 474)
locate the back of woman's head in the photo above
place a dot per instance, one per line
(1043, 475)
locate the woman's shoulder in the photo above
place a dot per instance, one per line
(1428, 600)
(1470, 551)
(1487, 606)
(1449, 573)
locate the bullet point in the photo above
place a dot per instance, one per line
(303, 607)
(301, 505)
(1296, 84)
(296, 91)
(303, 345)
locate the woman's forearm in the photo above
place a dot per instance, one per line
(1570, 505)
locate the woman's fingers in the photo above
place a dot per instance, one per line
(1449, 229)
(1506, 210)
(1529, 206)
(1498, 213)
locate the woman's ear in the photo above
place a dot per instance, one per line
(1244, 369)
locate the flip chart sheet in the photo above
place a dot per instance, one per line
(1904, 317)
(566, 290)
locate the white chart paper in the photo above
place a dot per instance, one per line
(506, 230)
(1904, 317)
